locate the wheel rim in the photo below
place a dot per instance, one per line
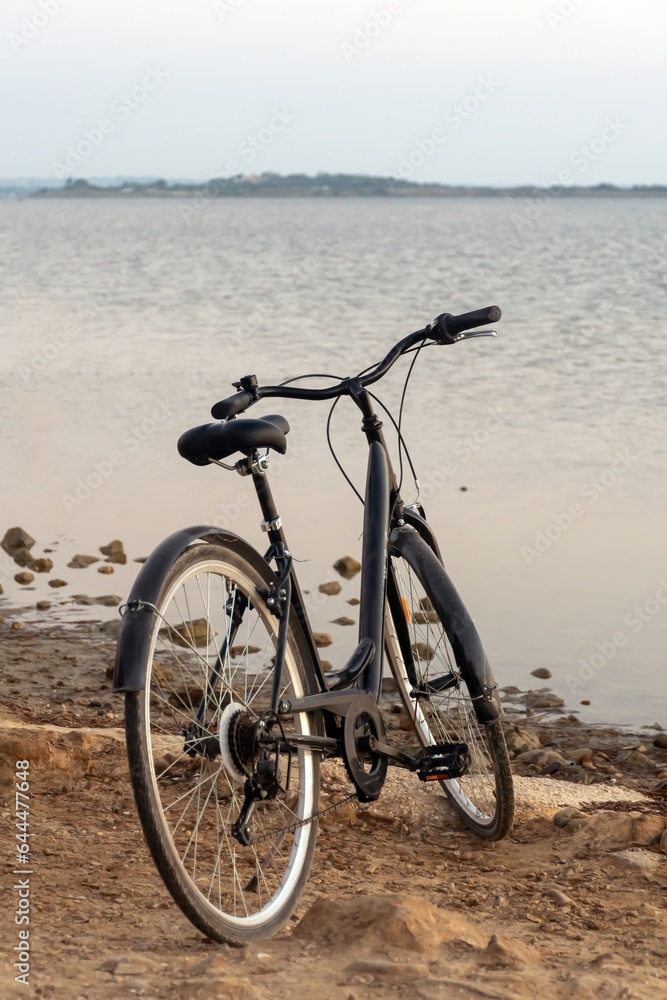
(448, 716)
(197, 798)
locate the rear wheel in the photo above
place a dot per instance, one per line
(484, 796)
(192, 741)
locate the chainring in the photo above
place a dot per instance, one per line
(367, 770)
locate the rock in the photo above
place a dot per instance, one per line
(422, 650)
(57, 583)
(585, 701)
(322, 639)
(645, 861)
(330, 588)
(196, 632)
(383, 923)
(141, 559)
(563, 817)
(243, 650)
(22, 557)
(106, 568)
(425, 617)
(634, 758)
(580, 754)
(2, 618)
(663, 841)
(2, 590)
(16, 538)
(24, 578)
(343, 620)
(558, 897)
(81, 561)
(41, 565)
(521, 740)
(507, 952)
(542, 757)
(43, 605)
(111, 628)
(17, 626)
(114, 552)
(543, 699)
(347, 567)
(542, 673)
(105, 601)
(353, 601)
(661, 741)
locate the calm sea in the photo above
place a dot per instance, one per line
(123, 322)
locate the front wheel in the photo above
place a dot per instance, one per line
(417, 644)
(192, 742)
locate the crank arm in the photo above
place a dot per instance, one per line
(396, 756)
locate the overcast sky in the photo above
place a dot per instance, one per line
(457, 91)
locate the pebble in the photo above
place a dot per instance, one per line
(43, 605)
(322, 639)
(564, 816)
(106, 568)
(353, 601)
(114, 552)
(330, 588)
(41, 565)
(81, 561)
(343, 620)
(558, 897)
(17, 626)
(57, 583)
(347, 567)
(16, 538)
(661, 741)
(24, 578)
(543, 699)
(542, 673)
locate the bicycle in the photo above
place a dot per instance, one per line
(228, 711)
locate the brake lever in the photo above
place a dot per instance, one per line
(471, 334)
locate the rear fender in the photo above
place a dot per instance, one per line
(461, 632)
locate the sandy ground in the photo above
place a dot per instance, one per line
(402, 901)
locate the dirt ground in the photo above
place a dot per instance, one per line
(402, 901)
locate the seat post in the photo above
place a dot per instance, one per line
(271, 520)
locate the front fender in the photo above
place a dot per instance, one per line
(130, 666)
(461, 632)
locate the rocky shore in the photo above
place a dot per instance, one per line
(402, 902)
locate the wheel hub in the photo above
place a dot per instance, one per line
(238, 742)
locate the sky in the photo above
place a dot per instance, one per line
(496, 92)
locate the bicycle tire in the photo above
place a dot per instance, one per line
(231, 893)
(484, 797)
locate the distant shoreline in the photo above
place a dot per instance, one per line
(331, 186)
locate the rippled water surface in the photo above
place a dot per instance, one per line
(123, 322)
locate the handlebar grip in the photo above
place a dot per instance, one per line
(448, 327)
(229, 407)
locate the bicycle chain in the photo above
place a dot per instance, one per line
(301, 822)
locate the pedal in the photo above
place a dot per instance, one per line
(444, 761)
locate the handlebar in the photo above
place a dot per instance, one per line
(446, 329)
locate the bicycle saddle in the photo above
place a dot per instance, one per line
(222, 438)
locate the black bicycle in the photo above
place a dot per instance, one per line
(228, 711)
